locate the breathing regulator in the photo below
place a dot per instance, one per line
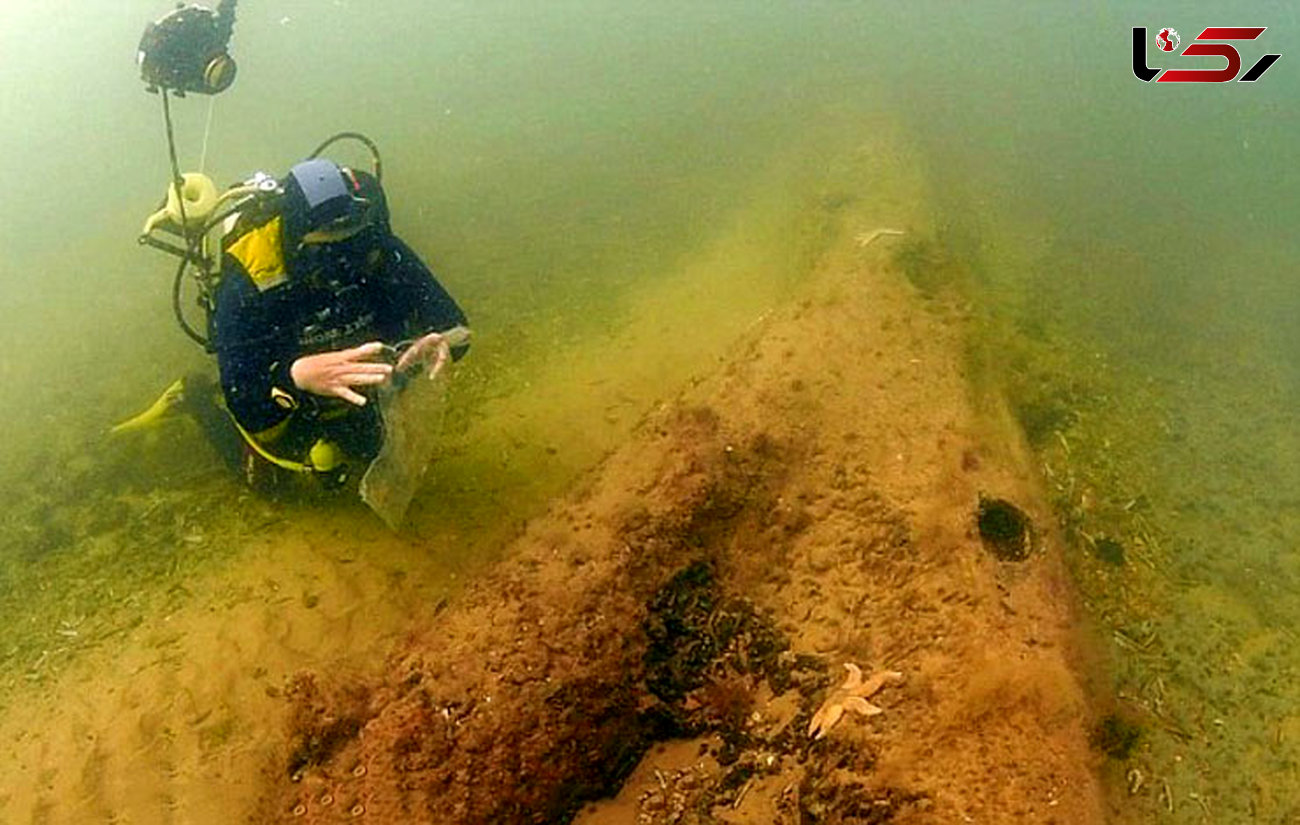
(185, 52)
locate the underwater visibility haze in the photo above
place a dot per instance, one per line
(614, 192)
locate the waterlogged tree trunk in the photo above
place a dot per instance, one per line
(826, 483)
(543, 687)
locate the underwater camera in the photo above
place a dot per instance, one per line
(186, 50)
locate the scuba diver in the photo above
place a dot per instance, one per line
(313, 307)
(318, 303)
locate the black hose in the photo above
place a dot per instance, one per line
(191, 239)
(176, 305)
(191, 255)
(357, 136)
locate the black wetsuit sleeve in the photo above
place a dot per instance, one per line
(254, 354)
(417, 303)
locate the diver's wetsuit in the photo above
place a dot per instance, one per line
(370, 287)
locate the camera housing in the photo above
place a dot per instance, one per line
(186, 50)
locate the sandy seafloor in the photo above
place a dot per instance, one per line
(823, 462)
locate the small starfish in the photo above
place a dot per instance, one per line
(852, 695)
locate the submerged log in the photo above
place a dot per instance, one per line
(545, 684)
(810, 505)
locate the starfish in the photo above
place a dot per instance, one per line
(852, 695)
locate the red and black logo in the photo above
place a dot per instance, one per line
(1167, 40)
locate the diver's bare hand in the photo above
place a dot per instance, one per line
(337, 373)
(433, 348)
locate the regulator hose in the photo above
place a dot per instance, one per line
(375, 160)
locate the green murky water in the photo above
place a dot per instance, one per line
(576, 171)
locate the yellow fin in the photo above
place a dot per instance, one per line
(157, 411)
